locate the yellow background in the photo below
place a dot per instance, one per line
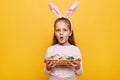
(26, 29)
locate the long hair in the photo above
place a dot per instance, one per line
(71, 39)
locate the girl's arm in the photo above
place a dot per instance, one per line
(80, 70)
(46, 71)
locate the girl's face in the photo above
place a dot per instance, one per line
(62, 32)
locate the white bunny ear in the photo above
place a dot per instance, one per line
(72, 9)
(54, 9)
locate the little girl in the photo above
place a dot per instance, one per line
(63, 45)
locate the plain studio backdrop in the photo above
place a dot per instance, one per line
(26, 30)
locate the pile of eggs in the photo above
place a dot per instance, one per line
(61, 57)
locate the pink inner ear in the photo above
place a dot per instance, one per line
(54, 9)
(72, 9)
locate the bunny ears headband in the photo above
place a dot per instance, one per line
(70, 11)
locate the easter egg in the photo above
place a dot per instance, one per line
(71, 58)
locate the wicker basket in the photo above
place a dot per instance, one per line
(62, 62)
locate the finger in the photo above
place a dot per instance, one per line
(78, 59)
(47, 62)
(50, 63)
(53, 65)
(72, 64)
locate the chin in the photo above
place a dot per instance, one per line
(61, 43)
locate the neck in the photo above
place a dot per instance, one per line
(64, 44)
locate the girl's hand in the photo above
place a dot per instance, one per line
(50, 65)
(75, 64)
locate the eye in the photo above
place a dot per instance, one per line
(57, 30)
(65, 29)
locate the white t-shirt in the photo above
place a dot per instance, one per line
(70, 50)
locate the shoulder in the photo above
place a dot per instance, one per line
(75, 48)
(51, 47)
(49, 51)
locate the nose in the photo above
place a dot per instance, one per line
(61, 32)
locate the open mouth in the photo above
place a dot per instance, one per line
(61, 38)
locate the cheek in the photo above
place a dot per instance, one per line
(67, 34)
(56, 34)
